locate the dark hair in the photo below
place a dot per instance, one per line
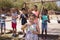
(35, 6)
(45, 11)
(33, 15)
(23, 9)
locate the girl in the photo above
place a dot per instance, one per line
(36, 12)
(32, 30)
(45, 19)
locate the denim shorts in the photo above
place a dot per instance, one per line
(2, 24)
(44, 26)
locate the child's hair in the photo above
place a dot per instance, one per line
(45, 11)
(23, 9)
(33, 15)
(35, 6)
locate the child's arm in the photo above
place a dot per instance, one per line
(41, 18)
(20, 16)
(48, 19)
(38, 14)
(7, 20)
(38, 30)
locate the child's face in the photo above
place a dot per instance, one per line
(31, 19)
(34, 8)
(13, 10)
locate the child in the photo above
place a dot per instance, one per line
(23, 17)
(36, 12)
(45, 19)
(3, 17)
(14, 22)
(32, 30)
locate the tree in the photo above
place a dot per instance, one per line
(51, 6)
(18, 3)
(6, 3)
(11, 3)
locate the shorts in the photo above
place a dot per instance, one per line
(3, 25)
(23, 22)
(44, 26)
(14, 25)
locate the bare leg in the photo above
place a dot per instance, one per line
(4, 29)
(1, 30)
(45, 34)
(15, 30)
(42, 33)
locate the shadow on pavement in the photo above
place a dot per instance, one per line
(50, 37)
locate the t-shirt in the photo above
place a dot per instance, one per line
(14, 19)
(2, 18)
(23, 17)
(36, 13)
(44, 18)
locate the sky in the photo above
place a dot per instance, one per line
(58, 3)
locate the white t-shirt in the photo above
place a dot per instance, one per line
(14, 19)
(2, 19)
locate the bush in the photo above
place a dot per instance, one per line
(6, 3)
(11, 3)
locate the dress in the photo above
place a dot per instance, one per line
(29, 34)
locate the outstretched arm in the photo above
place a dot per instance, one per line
(48, 19)
(38, 30)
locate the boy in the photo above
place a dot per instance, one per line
(23, 17)
(14, 22)
(3, 17)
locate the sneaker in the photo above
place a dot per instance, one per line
(21, 36)
(12, 34)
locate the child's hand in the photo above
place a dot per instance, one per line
(34, 32)
(48, 21)
(45, 20)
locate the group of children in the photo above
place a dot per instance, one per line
(31, 27)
